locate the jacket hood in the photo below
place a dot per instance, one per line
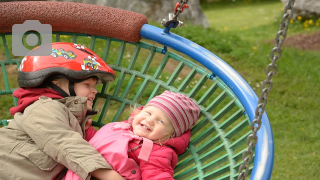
(27, 96)
(179, 144)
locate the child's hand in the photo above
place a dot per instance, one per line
(88, 123)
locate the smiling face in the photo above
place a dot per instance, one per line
(152, 123)
(86, 89)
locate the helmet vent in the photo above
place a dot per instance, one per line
(87, 52)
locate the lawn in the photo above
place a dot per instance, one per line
(293, 104)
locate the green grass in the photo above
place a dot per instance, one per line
(293, 104)
(243, 18)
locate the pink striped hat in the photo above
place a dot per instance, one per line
(181, 110)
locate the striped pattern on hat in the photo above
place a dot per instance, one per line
(182, 111)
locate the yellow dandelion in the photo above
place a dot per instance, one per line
(299, 18)
(64, 36)
(225, 28)
(310, 21)
(255, 47)
(291, 21)
(317, 23)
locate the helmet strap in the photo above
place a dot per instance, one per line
(58, 89)
(71, 88)
(72, 93)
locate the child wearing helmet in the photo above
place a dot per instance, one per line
(55, 98)
(146, 146)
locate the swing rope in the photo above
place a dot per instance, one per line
(271, 71)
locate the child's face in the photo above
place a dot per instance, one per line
(86, 89)
(152, 123)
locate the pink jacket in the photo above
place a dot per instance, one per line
(126, 152)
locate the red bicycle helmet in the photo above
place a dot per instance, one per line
(72, 61)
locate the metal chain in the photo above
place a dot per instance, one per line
(271, 70)
(180, 8)
(171, 21)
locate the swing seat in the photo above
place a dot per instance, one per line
(148, 61)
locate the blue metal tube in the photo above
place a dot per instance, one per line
(264, 150)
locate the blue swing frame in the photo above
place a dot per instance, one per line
(264, 149)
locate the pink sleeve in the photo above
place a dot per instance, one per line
(159, 167)
(90, 132)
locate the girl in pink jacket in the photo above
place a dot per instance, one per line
(146, 146)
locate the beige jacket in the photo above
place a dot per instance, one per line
(40, 142)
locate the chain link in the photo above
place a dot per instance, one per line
(180, 8)
(271, 70)
(171, 21)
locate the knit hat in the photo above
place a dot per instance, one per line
(182, 111)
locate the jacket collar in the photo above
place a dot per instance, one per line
(77, 105)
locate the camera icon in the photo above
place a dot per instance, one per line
(43, 30)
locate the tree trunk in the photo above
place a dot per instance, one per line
(305, 8)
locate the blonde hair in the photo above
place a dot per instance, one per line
(62, 81)
(164, 139)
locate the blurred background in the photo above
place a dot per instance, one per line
(242, 33)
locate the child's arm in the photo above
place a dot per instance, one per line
(107, 174)
(47, 123)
